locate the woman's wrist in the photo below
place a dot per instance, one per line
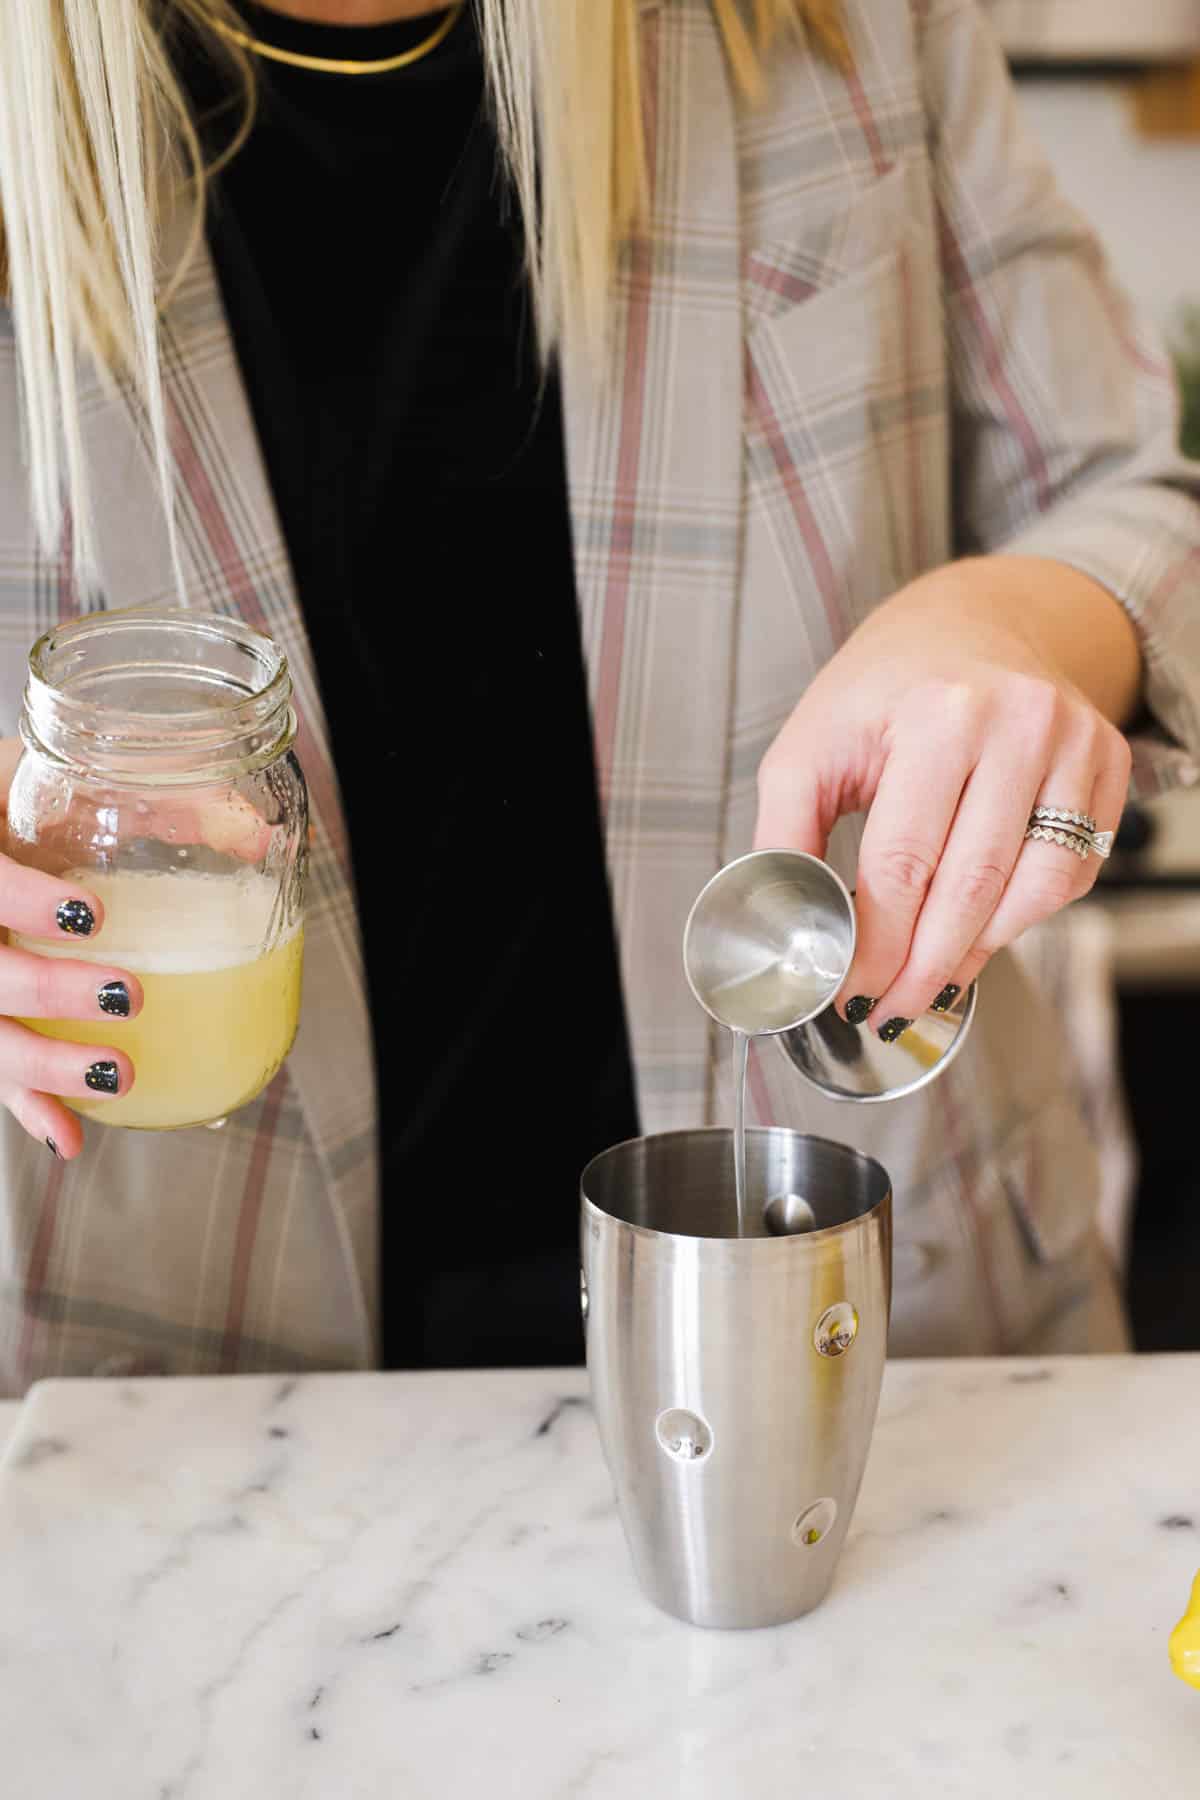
(1072, 628)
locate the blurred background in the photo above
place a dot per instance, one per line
(1112, 88)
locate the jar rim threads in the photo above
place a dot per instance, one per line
(158, 696)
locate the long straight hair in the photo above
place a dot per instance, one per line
(94, 129)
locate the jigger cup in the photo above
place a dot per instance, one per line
(767, 946)
(735, 1380)
(769, 941)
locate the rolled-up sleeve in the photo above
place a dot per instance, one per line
(1066, 410)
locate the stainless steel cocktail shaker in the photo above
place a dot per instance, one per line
(735, 1380)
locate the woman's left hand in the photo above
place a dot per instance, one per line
(947, 717)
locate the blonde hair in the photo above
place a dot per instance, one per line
(93, 124)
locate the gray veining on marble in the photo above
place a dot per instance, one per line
(401, 1587)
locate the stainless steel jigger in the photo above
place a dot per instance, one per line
(852, 1062)
(769, 941)
(735, 1380)
(766, 948)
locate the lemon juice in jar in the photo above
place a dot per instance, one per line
(222, 993)
(158, 771)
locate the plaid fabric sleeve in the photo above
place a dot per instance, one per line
(1066, 410)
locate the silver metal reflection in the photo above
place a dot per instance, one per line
(814, 1524)
(683, 1435)
(718, 1421)
(852, 1062)
(836, 1329)
(769, 940)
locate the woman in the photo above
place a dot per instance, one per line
(865, 485)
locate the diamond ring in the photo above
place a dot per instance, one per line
(1066, 840)
(1059, 815)
(1070, 830)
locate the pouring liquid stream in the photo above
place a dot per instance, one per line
(766, 1000)
(775, 981)
(741, 1058)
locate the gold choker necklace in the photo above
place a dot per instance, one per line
(330, 65)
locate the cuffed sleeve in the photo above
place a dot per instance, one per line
(1065, 409)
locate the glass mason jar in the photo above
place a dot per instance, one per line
(158, 772)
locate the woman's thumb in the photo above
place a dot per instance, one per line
(791, 815)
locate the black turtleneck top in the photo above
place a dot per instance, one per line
(370, 263)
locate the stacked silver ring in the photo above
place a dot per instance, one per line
(1075, 831)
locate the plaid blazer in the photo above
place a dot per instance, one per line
(860, 334)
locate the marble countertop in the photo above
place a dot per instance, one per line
(400, 1587)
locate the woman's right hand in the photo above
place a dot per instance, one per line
(34, 1069)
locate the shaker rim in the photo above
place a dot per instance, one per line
(822, 1233)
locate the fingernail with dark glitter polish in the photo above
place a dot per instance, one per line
(891, 1031)
(858, 1009)
(76, 918)
(947, 997)
(103, 1078)
(114, 999)
(53, 1148)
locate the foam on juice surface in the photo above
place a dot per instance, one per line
(158, 923)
